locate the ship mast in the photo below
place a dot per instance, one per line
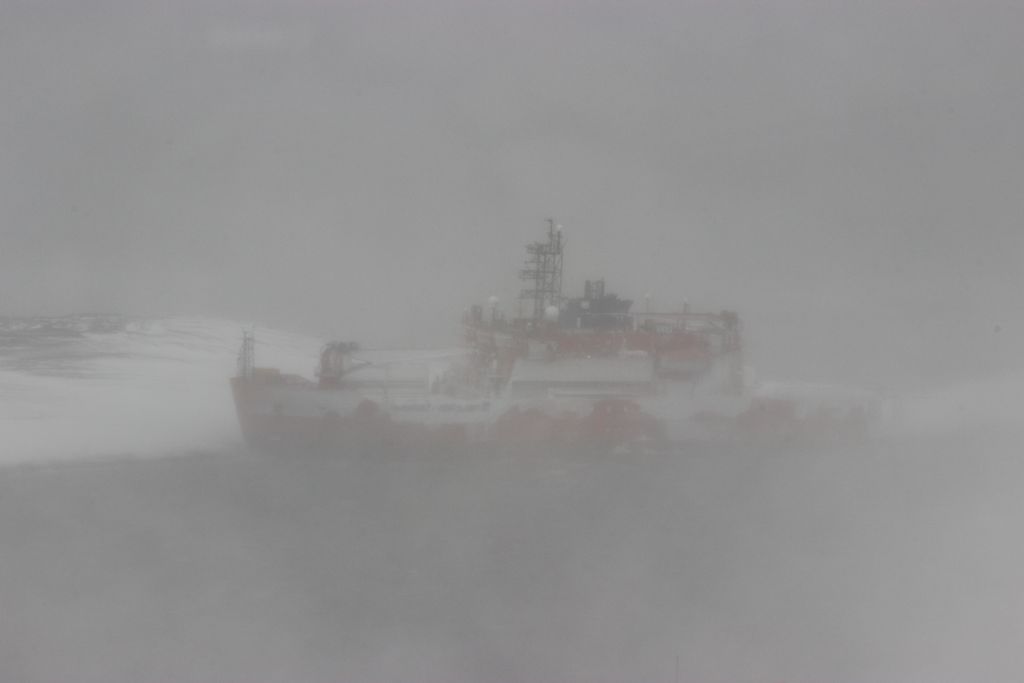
(543, 272)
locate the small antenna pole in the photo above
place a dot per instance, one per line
(247, 354)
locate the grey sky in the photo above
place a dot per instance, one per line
(841, 173)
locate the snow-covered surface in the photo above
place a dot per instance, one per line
(572, 371)
(97, 386)
(396, 366)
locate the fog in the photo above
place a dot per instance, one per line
(844, 175)
(834, 172)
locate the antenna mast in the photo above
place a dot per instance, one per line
(543, 271)
(247, 354)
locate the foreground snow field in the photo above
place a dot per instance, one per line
(881, 564)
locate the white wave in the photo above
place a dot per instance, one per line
(993, 404)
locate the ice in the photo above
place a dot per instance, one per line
(148, 388)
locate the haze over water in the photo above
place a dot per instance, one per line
(881, 561)
(844, 176)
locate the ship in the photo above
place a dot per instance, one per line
(587, 370)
